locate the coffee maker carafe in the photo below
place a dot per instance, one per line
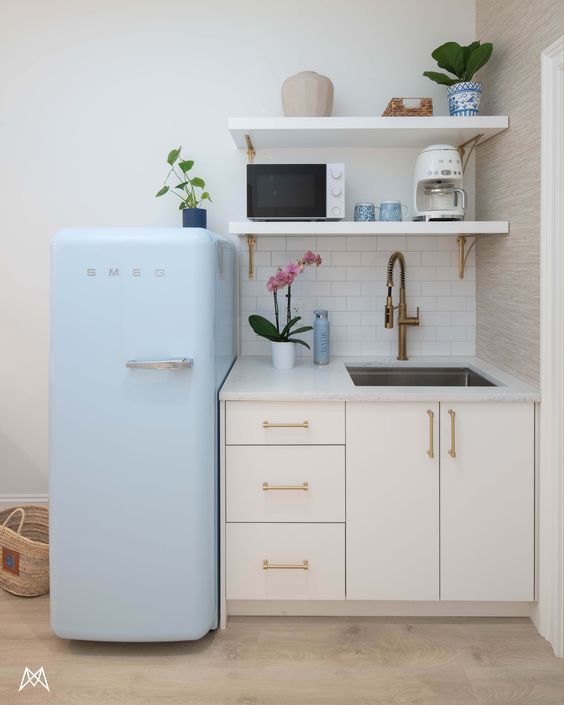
(438, 179)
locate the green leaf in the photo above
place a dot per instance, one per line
(263, 327)
(162, 191)
(303, 329)
(300, 342)
(182, 206)
(182, 185)
(196, 181)
(186, 165)
(289, 325)
(467, 50)
(450, 56)
(173, 155)
(479, 57)
(440, 78)
(205, 196)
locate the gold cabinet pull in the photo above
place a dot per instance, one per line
(267, 424)
(452, 449)
(266, 487)
(431, 451)
(304, 565)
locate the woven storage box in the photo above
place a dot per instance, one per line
(397, 108)
(24, 542)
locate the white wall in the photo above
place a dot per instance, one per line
(94, 93)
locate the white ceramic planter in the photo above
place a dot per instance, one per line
(283, 355)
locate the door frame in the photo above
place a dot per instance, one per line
(548, 614)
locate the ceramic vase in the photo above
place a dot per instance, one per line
(307, 94)
(283, 355)
(464, 98)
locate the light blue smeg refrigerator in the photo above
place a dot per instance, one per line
(142, 337)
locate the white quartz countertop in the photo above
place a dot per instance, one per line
(254, 379)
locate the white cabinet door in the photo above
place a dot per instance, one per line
(487, 501)
(392, 501)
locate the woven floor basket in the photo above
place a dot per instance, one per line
(24, 543)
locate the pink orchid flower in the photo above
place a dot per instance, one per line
(292, 269)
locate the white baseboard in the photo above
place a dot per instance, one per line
(12, 500)
(366, 608)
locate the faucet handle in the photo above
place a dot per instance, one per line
(389, 313)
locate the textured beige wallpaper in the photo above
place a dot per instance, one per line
(508, 181)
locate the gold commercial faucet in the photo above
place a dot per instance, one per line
(404, 320)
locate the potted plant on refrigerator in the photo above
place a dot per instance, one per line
(463, 62)
(193, 215)
(283, 343)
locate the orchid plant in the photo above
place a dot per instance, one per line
(284, 277)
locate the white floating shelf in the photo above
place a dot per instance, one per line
(343, 227)
(363, 131)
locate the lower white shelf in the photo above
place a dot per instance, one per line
(346, 227)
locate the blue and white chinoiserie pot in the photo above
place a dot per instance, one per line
(464, 98)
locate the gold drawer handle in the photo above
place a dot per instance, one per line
(266, 487)
(285, 566)
(452, 449)
(431, 451)
(267, 424)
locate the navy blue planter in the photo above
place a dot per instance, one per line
(194, 217)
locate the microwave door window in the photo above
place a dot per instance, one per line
(288, 191)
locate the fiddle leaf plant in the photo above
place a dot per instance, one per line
(462, 61)
(186, 187)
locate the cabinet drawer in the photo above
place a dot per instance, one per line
(287, 483)
(285, 423)
(284, 546)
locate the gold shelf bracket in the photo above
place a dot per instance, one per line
(252, 245)
(250, 149)
(463, 254)
(473, 142)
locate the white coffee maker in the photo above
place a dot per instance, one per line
(438, 179)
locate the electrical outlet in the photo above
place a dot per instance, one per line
(297, 311)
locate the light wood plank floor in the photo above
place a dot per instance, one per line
(287, 661)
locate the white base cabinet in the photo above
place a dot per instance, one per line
(487, 501)
(376, 502)
(392, 501)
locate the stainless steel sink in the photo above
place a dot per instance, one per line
(417, 377)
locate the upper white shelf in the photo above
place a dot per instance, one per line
(346, 227)
(363, 131)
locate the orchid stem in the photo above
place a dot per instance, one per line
(276, 311)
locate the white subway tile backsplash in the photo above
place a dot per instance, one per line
(351, 285)
(438, 259)
(346, 288)
(357, 243)
(266, 243)
(391, 243)
(436, 289)
(421, 243)
(331, 274)
(331, 244)
(451, 303)
(346, 259)
(468, 348)
(345, 318)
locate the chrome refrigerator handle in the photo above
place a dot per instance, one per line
(179, 363)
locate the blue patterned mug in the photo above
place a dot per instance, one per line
(364, 212)
(391, 210)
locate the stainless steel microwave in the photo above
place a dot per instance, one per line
(295, 191)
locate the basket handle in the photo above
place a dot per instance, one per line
(11, 514)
